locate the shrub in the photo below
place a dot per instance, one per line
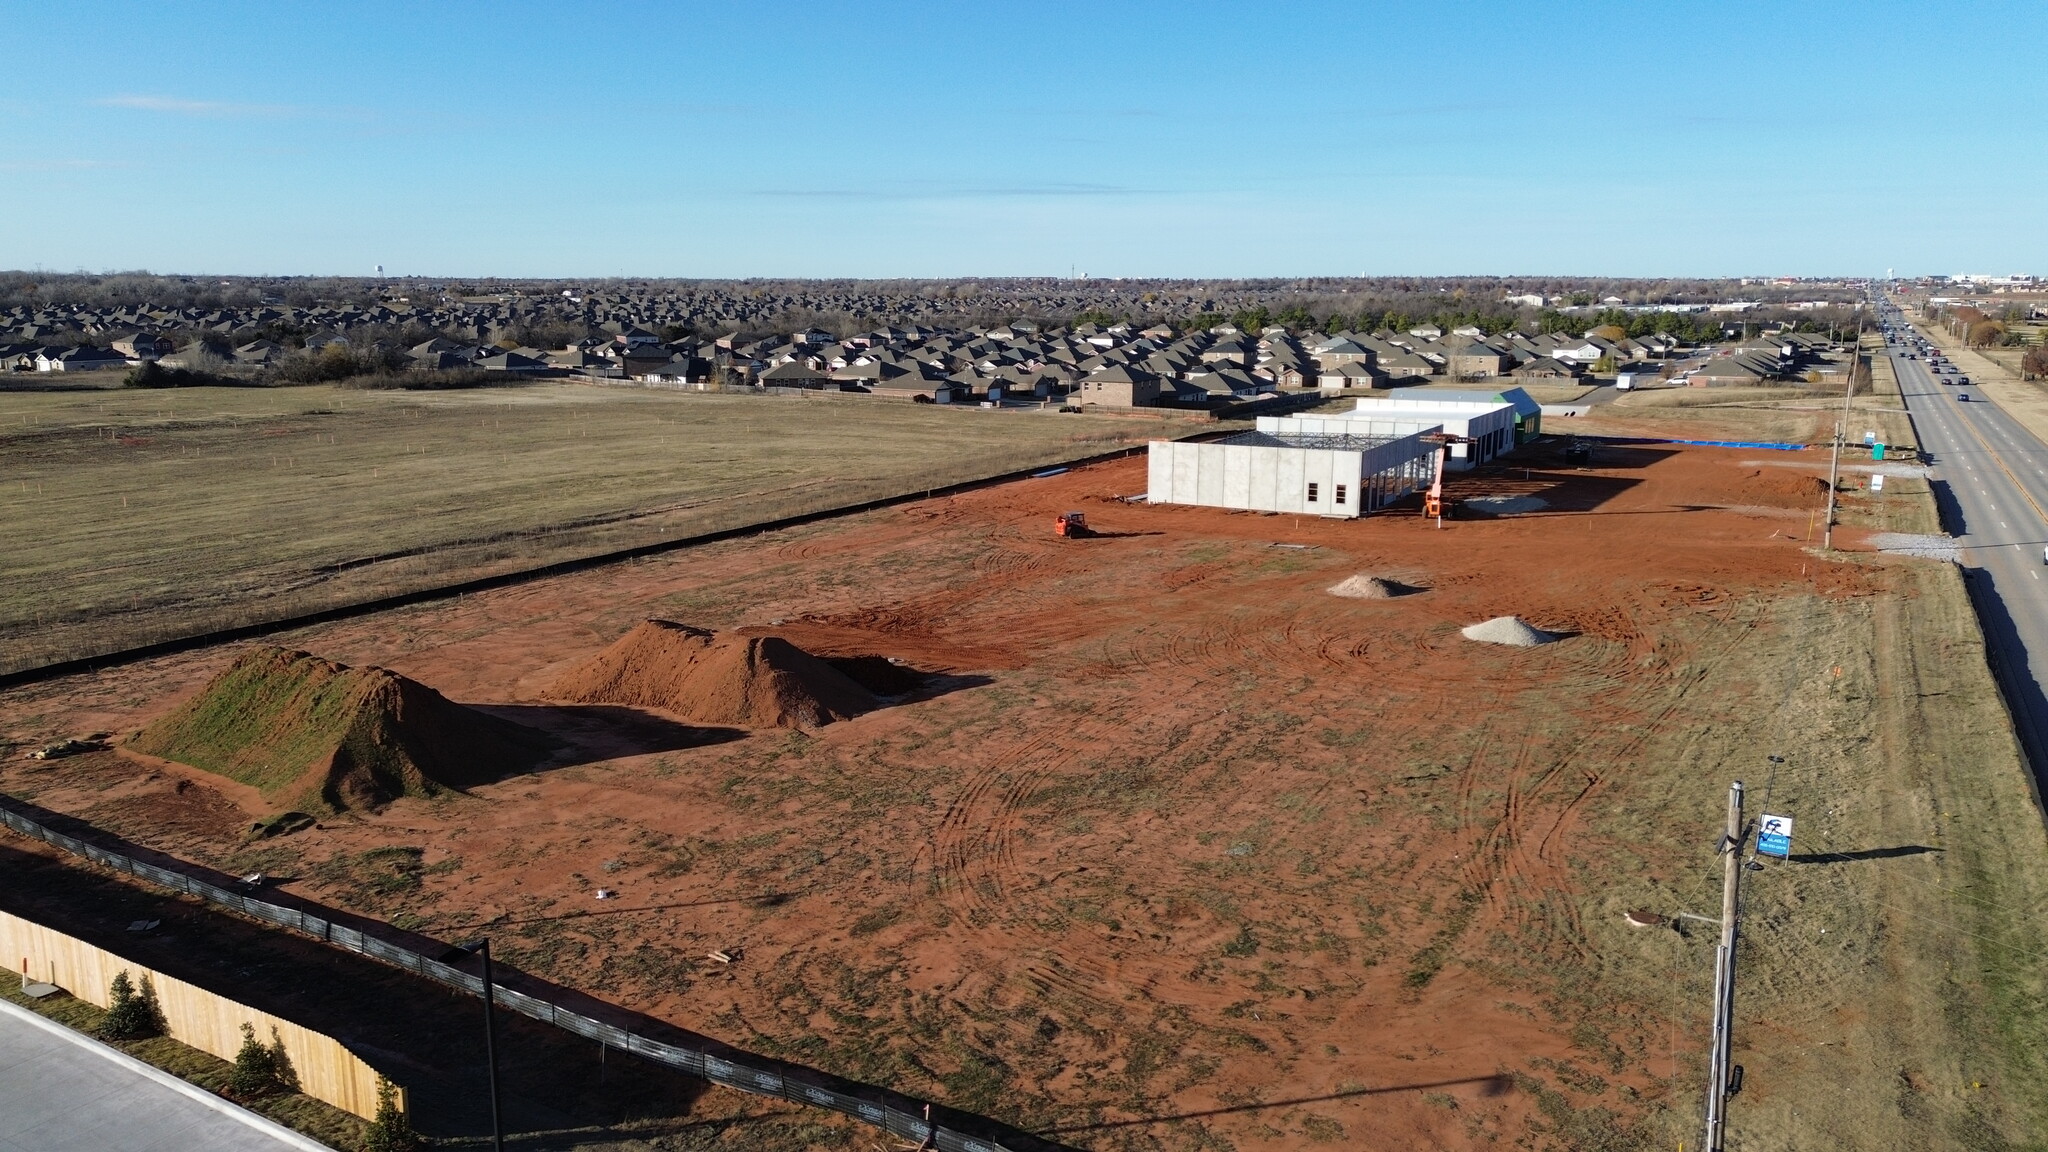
(151, 374)
(339, 362)
(132, 1014)
(391, 1131)
(261, 1069)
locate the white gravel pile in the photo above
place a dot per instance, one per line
(1509, 630)
(1364, 587)
(1925, 547)
(1506, 505)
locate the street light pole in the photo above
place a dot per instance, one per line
(482, 948)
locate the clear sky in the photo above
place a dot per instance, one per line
(760, 138)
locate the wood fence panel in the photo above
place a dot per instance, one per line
(195, 1017)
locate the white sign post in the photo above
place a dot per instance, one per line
(1774, 836)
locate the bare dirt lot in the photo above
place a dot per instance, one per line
(1174, 849)
(132, 516)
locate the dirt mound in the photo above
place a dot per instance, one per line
(1363, 587)
(1509, 630)
(1781, 488)
(748, 681)
(316, 735)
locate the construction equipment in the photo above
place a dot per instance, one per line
(1072, 526)
(1577, 452)
(1433, 501)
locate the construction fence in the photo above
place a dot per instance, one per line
(193, 1016)
(760, 1076)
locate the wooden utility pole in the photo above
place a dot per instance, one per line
(1718, 1065)
(1827, 540)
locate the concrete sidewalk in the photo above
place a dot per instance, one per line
(64, 1092)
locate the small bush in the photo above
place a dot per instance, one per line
(132, 1014)
(261, 1069)
(391, 1131)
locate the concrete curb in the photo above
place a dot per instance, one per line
(128, 1063)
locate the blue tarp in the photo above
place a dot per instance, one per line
(1771, 445)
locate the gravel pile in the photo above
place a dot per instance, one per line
(1363, 587)
(1509, 630)
(1506, 505)
(1925, 547)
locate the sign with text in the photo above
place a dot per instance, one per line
(1877, 483)
(1774, 836)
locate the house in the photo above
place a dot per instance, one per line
(1119, 387)
(143, 346)
(1479, 359)
(1547, 369)
(1229, 383)
(795, 374)
(1229, 353)
(1404, 365)
(512, 363)
(259, 352)
(1348, 377)
(84, 358)
(1338, 351)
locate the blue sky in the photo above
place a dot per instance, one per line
(904, 139)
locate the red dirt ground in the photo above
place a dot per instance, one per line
(1172, 846)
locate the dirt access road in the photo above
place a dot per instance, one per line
(1176, 850)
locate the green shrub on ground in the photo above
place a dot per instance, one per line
(133, 1013)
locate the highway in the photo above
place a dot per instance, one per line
(1990, 480)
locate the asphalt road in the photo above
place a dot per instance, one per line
(1990, 481)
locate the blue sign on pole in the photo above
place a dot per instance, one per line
(1774, 836)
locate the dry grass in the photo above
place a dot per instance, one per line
(133, 517)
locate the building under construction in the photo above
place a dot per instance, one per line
(1345, 473)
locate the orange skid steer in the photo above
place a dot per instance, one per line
(1071, 526)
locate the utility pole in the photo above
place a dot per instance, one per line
(1827, 540)
(1718, 1067)
(483, 948)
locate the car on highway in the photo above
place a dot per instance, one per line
(1961, 396)
(1962, 379)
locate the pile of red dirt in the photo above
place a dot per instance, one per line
(313, 734)
(745, 681)
(1781, 488)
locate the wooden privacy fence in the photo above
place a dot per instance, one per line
(192, 1016)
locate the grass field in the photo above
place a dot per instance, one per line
(137, 516)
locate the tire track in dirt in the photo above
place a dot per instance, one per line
(1517, 861)
(972, 851)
